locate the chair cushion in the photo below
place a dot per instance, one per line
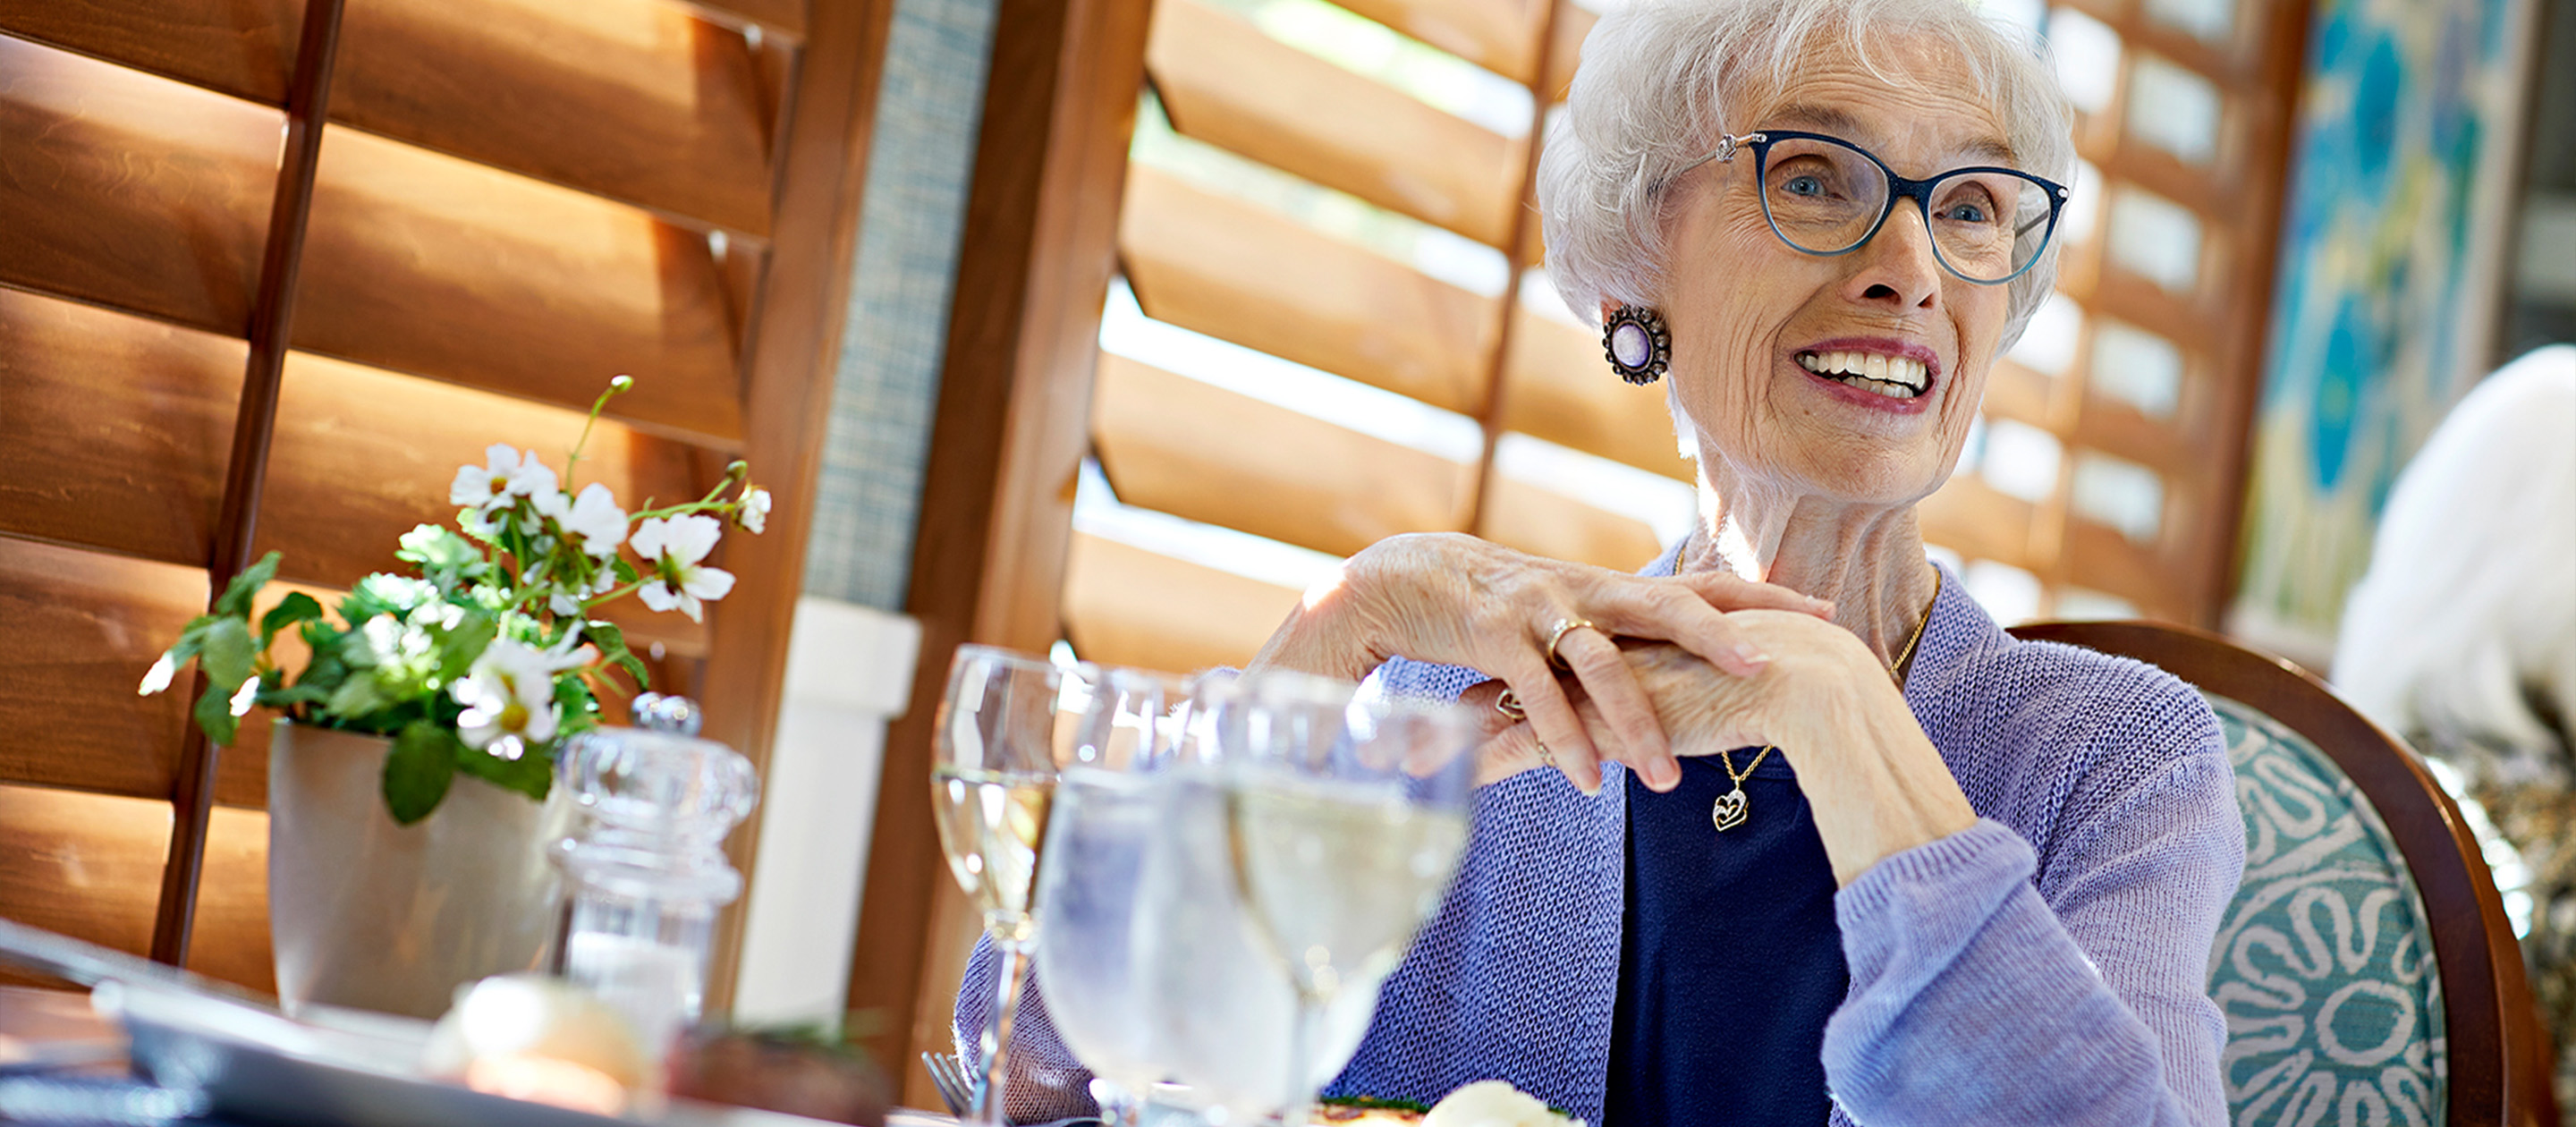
(2324, 964)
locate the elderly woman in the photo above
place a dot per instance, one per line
(1820, 843)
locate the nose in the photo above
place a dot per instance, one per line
(1897, 267)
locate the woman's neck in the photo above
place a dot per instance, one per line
(1867, 559)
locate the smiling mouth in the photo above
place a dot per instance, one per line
(1896, 377)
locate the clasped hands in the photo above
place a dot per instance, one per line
(1673, 666)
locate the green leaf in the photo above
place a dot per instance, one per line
(326, 670)
(418, 770)
(214, 714)
(191, 639)
(531, 774)
(357, 697)
(289, 698)
(225, 652)
(297, 607)
(612, 647)
(245, 586)
(459, 645)
(626, 572)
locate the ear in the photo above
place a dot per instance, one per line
(1608, 307)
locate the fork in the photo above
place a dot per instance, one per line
(948, 1075)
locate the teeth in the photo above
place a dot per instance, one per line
(1898, 377)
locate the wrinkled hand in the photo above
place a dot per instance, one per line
(1458, 600)
(1874, 781)
(1816, 669)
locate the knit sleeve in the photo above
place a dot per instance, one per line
(1046, 1082)
(1976, 999)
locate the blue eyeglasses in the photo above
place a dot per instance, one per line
(1826, 196)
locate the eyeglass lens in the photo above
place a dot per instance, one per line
(1823, 197)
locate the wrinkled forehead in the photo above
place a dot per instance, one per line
(1906, 94)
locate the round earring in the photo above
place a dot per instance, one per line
(1638, 346)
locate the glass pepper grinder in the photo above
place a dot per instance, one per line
(646, 870)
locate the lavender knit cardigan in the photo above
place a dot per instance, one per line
(2044, 966)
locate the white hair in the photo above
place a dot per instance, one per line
(1660, 79)
(2464, 628)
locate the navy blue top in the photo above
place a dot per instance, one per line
(1730, 960)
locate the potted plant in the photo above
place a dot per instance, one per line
(392, 879)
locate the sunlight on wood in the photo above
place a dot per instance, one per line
(428, 264)
(1235, 271)
(1128, 606)
(1179, 446)
(1225, 82)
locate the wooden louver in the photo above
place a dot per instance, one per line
(1205, 259)
(514, 200)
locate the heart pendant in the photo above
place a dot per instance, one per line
(1729, 811)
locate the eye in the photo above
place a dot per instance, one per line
(1804, 184)
(1968, 213)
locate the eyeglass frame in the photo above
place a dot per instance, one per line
(1898, 187)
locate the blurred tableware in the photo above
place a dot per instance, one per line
(647, 869)
(948, 1077)
(801, 1071)
(1346, 814)
(1000, 728)
(1108, 817)
(254, 1066)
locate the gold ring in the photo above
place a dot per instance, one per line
(1509, 704)
(1544, 755)
(1564, 626)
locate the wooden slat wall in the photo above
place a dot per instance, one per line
(2197, 452)
(515, 200)
(87, 865)
(1218, 263)
(436, 266)
(1225, 82)
(1240, 271)
(1181, 446)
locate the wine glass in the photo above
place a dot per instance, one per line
(1106, 824)
(1344, 815)
(1000, 727)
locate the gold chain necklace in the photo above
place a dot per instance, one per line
(1729, 811)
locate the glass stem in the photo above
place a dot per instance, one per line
(1014, 953)
(1302, 1055)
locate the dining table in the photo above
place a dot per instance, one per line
(64, 1064)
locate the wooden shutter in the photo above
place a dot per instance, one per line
(506, 203)
(1218, 255)
(2110, 476)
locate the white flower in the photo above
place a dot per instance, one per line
(157, 678)
(754, 514)
(594, 516)
(672, 547)
(508, 474)
(509, 697)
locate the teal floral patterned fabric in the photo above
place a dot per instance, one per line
(2324, 964)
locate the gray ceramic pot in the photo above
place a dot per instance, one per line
(372, 915)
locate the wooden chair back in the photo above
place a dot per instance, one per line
(2499, 1054)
